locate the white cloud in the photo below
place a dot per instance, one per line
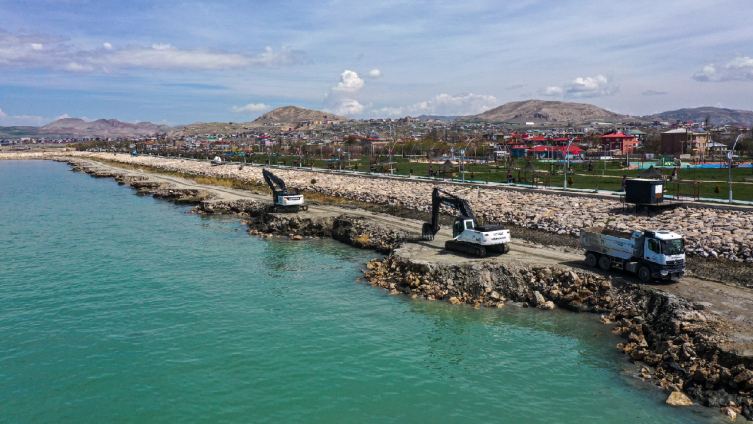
(552, 91)
(29, 52)
(444, 105)
(21, 120)
(350, 82)
(580, 87)
(250, 108)
(374, 73)
(591, 87)
(738, 69)
(343, 98)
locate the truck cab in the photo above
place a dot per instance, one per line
(664, 251)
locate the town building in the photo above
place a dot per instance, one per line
(683, 141)
(621, 142)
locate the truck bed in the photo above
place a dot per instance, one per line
(610, 242)
(608, 232)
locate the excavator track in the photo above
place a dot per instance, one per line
(465, 247)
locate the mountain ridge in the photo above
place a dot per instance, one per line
(716, 115)
(539, 111)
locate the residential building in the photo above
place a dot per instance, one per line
(680, 141)
(621, 142)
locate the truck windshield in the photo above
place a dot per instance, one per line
(672, 247)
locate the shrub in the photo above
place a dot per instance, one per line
(410, 171)
(313, 181)
(717, 189)
(570, 181)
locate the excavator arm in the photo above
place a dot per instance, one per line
(438, 198)
(275, 183)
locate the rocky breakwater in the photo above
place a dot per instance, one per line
(143, 184)
(715, 233)
(351, 230)
(676, 344)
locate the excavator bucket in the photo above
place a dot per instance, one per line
(426, 233)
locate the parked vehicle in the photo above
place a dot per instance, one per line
(650, 254)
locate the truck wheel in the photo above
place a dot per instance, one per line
(644, 273)
(605, 263)
(592, 260)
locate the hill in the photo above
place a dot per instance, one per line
(281, 115)
(102, 127)
(716, 115)
(78, 128)
(539, 111)
(289, 114)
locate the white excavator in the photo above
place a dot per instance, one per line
(468, 236)
(282, 201)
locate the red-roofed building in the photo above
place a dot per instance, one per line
(626, 144)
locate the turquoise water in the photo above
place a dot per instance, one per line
(116, 308)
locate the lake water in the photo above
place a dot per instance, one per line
(116, 308)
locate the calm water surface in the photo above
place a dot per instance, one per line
(116, 308)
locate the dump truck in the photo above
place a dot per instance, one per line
(650, 254)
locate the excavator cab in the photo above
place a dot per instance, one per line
(461, 224)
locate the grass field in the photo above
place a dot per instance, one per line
(606, 175)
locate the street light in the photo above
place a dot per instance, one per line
(569, 141)
(731, 153)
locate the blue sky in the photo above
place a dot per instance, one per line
(179, 62)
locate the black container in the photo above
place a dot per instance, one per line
(644, 191)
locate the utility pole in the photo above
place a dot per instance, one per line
(731, 154)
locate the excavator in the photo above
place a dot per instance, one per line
(468, 236)
(282, 201)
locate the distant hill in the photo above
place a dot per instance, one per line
(716, 115)
(289, 114)
(78, 128)
(539, 111)
(281, 115)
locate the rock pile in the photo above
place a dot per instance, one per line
(678, 343)
(347, 229)
(709, 232)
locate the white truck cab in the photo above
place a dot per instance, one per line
(650, 254)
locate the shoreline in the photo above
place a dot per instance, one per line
(680, 341)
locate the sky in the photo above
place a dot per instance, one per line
(180, 62)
